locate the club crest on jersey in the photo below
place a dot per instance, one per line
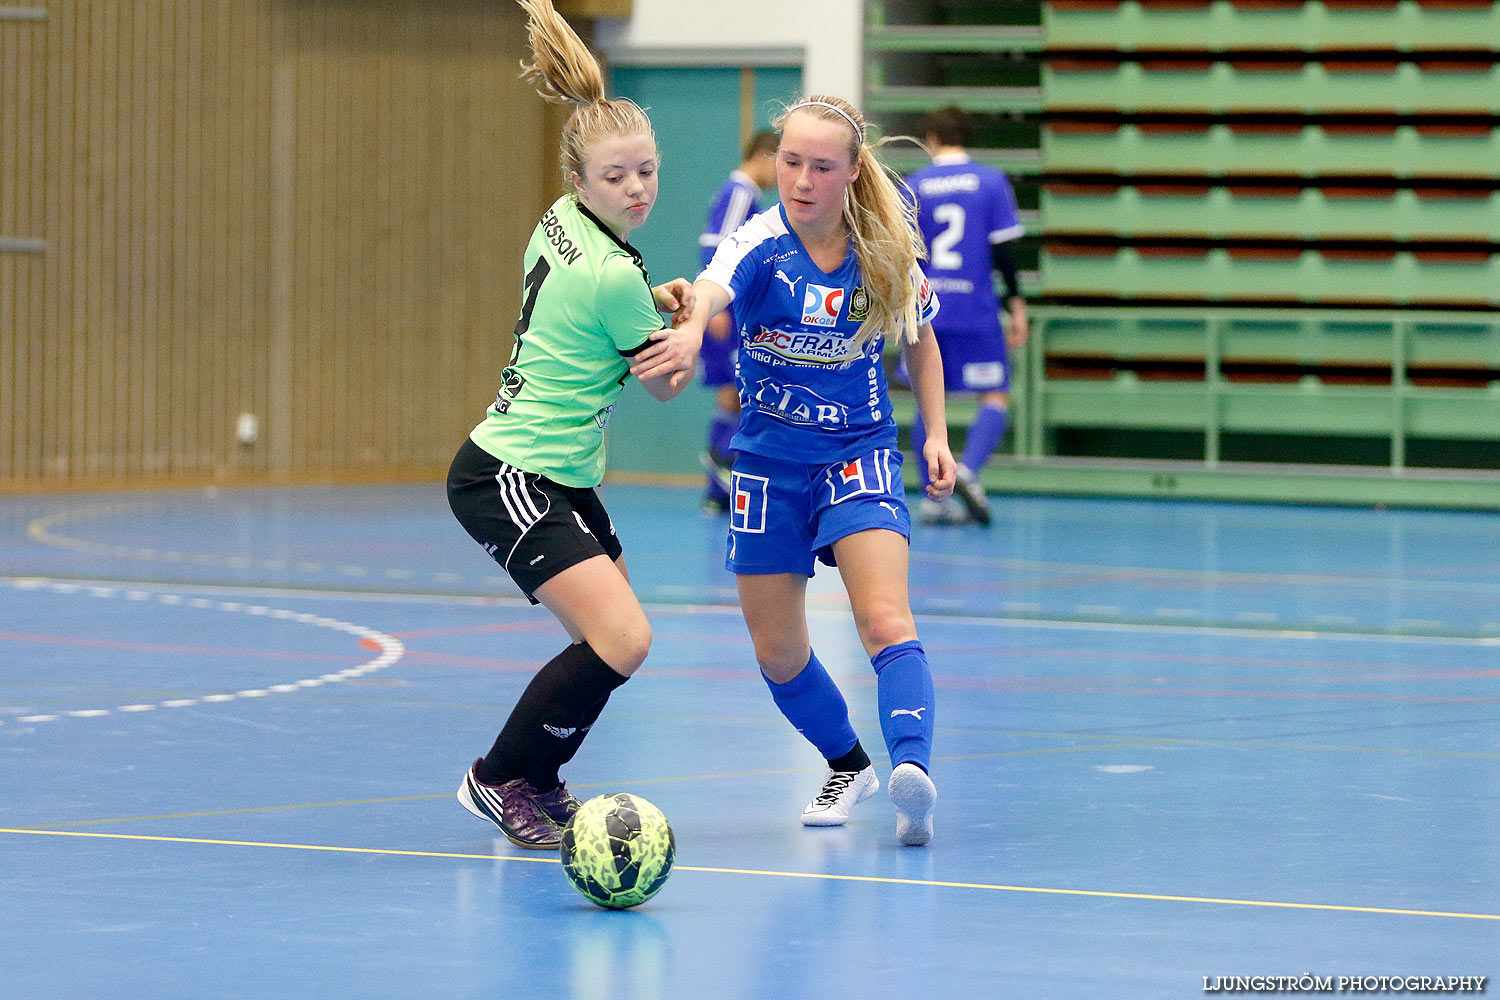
(511, 383)
(859, 305)
(821, 305)
(797, 404)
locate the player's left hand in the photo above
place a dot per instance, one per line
(676, 297)
(941, 469)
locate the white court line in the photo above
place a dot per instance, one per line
(391, 648)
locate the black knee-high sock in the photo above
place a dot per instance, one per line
(543, 775)
(562, 700)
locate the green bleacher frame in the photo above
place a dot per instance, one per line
(1402, 278)
(1309, 213)
(1339, 157)
(1224, 88)
(1403, 151)
(1214, 404)
(1312, 26)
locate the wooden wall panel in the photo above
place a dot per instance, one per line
(308, 210)
(406, 260)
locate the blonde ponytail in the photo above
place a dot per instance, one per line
(565, 71)
(882, 227)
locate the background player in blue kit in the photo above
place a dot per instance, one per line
(817, 283)
(968, 217)
(736, 200)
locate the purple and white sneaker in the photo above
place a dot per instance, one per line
(513, 807)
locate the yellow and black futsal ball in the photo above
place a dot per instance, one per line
(618, 850)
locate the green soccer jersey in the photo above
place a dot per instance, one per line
(586, 309)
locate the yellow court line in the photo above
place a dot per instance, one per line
(873, 879)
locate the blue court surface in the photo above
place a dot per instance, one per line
(1176, 742)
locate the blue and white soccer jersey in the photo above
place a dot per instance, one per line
(736, 201)
(964, 208)
(816, 431)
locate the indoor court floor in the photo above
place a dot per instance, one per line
(1177, 743)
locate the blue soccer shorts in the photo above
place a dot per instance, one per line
(974, 364)
(786, 515)
(970, 364)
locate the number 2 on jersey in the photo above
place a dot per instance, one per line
(944, 257)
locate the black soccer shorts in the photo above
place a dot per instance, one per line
(533, 527)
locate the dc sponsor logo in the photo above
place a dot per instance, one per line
(797, 404)
(821, 305)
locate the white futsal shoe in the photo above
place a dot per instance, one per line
(949, 511)
(841, 789)
(914, 795)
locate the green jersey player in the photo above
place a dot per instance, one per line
(522, 484)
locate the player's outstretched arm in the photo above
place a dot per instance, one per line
(924, 364)
(674, 352)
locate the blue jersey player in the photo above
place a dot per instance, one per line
(968, 217)
(736, 200)
(817, 283)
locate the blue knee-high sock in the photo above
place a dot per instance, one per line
(812, 702)
(918, 440)
(985, 435)
(904, 686)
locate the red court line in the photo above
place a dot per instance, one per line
(538, 625)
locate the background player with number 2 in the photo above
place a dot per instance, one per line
(817, 283)
(968, 216)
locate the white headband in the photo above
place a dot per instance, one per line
(835, 108)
